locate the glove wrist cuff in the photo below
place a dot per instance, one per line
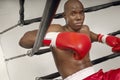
(102, 38)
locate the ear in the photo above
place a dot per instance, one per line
(64, 16)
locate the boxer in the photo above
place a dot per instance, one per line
(71, 43)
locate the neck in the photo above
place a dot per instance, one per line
(67, 28)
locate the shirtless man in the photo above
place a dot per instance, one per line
(69, 67)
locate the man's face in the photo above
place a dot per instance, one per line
(74, 15)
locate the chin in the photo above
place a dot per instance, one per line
(77, 29)
(78, 26)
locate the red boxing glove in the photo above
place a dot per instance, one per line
(112, 41)
(80, 43)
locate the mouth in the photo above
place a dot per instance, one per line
(78, 23)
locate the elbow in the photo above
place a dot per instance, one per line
(24, 44)
(26, 41)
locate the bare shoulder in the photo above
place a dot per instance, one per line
(92, 35)
(54, 28)
(85, 27)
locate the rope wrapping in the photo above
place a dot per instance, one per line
(48, 14)
(21, 11)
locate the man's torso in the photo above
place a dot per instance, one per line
(64, 60)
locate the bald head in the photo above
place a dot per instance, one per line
(72, 3)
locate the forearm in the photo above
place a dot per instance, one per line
(93, 36)
(26, 43)
(111, 41)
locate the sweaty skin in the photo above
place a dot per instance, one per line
(74, 17)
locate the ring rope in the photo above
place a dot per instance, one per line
(42, 51)
(49, 12)
(94, 62)
(10, 28)
(89, 9)
(22, 22)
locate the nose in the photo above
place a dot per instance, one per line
(78, 17)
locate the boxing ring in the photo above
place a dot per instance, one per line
(48, 15)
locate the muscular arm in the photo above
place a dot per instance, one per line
(111, 41)
(28, 39)
(94, 36)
